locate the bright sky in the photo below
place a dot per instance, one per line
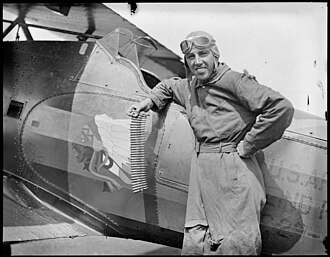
(283, 44)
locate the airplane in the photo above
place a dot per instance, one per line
(69, 144)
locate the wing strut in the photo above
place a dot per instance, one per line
(11, 26)
(23, 24)
(19, 22)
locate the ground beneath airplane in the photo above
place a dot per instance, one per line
(33, 227)
(91, 245)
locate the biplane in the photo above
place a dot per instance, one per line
(69, 144)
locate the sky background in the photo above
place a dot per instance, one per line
(283, 44)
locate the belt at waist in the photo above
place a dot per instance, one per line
(215, 147)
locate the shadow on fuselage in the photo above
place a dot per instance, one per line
(281, 222)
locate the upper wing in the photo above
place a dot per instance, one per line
(90, 21)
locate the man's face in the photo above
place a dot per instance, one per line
(200, 63)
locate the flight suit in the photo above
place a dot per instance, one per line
(226, 192)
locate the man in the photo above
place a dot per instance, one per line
(232, 117)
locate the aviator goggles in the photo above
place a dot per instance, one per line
(198, 41)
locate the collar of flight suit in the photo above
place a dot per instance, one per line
(217, 74)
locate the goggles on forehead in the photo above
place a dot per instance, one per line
(198, 41)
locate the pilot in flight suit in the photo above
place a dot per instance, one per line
(232, 117)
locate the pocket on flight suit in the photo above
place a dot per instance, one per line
(253, 179)
(237, 173)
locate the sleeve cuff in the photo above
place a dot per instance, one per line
(158, 104)
(249, 149)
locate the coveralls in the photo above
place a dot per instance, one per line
(226, 192)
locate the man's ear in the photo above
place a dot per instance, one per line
(216, 62)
